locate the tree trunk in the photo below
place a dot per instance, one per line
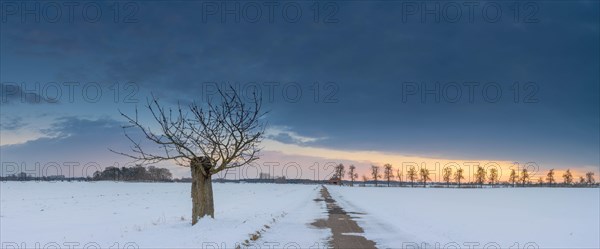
(202, 193)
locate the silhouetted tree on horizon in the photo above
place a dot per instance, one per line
(524, 177)
(352, 174)
(424, 173)
(589, 178)
(581, 180)
(388, 173)
(375, 173)
(568, 177)
(446, 175)
(513, 178)
(399, 175)
(493, 176)
(550, 177)
(480, 176)
(458, 176)
(339, 173)
(412, 175)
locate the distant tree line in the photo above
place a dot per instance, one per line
(137, 173)
(454, 178)
(22, 176)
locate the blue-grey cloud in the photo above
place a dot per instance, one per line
(11, 123)
(368, 55)
(70, 140)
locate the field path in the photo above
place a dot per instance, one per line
(346, 232)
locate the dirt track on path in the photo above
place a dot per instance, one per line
(346, 232)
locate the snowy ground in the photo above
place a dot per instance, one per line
(460, 218)
(156, 215)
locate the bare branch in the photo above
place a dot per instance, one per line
(227, 132)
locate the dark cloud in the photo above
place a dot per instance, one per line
(368, 54)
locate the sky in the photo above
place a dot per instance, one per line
(353, 82)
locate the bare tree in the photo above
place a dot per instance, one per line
(352, 174)
(339, 173)
(388, 173)
(550, 177)
(581, 180)
(222, 134)
(513, 178)
(412, 175)
(459, 176)
(399, 175)
(375, 173)
(424, 173)
(524, 178)
(365, 179)
(480, 176)
(589, 178)
(446, 175)
(568, 177)
(493, 176)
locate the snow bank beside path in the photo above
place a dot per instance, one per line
(152, 215)
(544, 217)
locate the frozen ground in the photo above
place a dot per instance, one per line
(506, 218)
(155, 215)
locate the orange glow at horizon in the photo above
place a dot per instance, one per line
(363, 160)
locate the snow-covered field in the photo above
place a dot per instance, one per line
(155, 215)
(491, 218)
